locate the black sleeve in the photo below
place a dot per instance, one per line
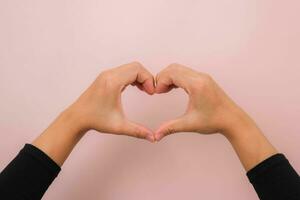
(275, 179)
(28, 175)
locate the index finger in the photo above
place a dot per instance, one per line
(136, 73)
(175, 75)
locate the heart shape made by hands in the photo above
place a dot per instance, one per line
(209, 109)
(203, 98)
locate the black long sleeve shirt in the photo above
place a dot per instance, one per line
(30, 173)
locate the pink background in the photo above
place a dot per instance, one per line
(50, 51)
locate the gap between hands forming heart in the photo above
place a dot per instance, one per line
(170, 126)
(150, 88)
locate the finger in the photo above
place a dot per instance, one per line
(164, 87)
(136, 130)
(170, 127)
(171, 77)
(163, 84)
(135, 72)
(148, 86)
(138, 85)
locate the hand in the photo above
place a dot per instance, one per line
(209, 109)
(99, 107)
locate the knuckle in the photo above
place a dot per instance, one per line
(197, 86)
(206, 77)
(135, 65)
(201, 83)
(174, 66)
(170, 131)
(138, 133)
(106, 78)
(105, 74)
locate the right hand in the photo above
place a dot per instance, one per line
(99, 107)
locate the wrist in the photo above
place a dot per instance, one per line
(72, 121)
(58, 140)
(239, 123)
(250, 144)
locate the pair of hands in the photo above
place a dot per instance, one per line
(209, 109)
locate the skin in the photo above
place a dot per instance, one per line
(209, 111)
(98, 108)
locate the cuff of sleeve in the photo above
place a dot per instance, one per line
(41, 157)
(265, 165)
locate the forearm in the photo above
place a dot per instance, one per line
(270, 173)
(99, 108)
(32, 171)
(58, 140)
(251, 146)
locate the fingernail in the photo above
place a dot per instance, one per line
(148, 86)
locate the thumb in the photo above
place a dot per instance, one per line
(136, 130)
(170, 127)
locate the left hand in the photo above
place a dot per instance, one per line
(209, 110)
